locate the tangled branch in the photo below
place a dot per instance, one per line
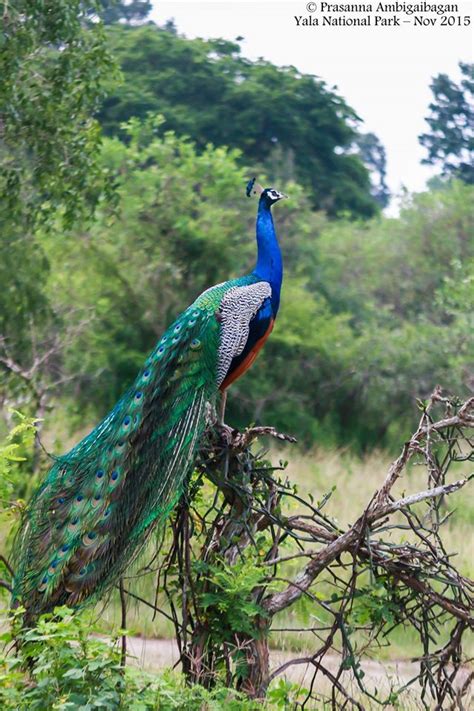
(243, 527)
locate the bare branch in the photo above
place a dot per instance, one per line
(245, 526)
(417, 498)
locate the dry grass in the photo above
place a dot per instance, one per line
(356, 479)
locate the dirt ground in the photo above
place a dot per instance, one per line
(152, 654)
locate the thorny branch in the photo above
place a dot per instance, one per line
(242, 530)
(381, 504)
(248, 514)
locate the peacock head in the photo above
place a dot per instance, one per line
(269, 195)
(272, 196)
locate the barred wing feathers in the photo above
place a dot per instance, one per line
(238, 307)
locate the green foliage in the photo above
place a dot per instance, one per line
(129, 11)
(290, 122)
(376, 604)
(53, 69)
(285, 695)
(373, 155)
(450, 141)
(14, 450)
(125, 280)
(53, 66)
(227, 597)
(69, 668)
(373, 314)
(23, 298)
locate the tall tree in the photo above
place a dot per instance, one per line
(210, 92)
(374, 157)
(129, 11)
(53, 65)
(450, 140)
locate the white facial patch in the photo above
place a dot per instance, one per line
(274, 194)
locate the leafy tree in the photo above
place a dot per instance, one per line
(179, 231)
(450, 141)
(129, 11)
(53, 67)
(363, 324)
(374, 157)
(210, 92)
(393, 272)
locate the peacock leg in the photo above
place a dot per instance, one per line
(222, 407)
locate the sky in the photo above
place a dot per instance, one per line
(383, 72)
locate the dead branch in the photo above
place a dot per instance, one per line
(244, 520)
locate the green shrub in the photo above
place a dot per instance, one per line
(61, 665)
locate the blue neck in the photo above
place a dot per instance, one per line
(269, 264)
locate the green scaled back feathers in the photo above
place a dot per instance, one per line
(99, 502)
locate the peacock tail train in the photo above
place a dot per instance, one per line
(98, 503)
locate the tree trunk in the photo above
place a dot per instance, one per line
(255, 682)
(195, 663)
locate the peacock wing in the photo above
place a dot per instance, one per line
(238, 307)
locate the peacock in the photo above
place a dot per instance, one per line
(98, 503)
